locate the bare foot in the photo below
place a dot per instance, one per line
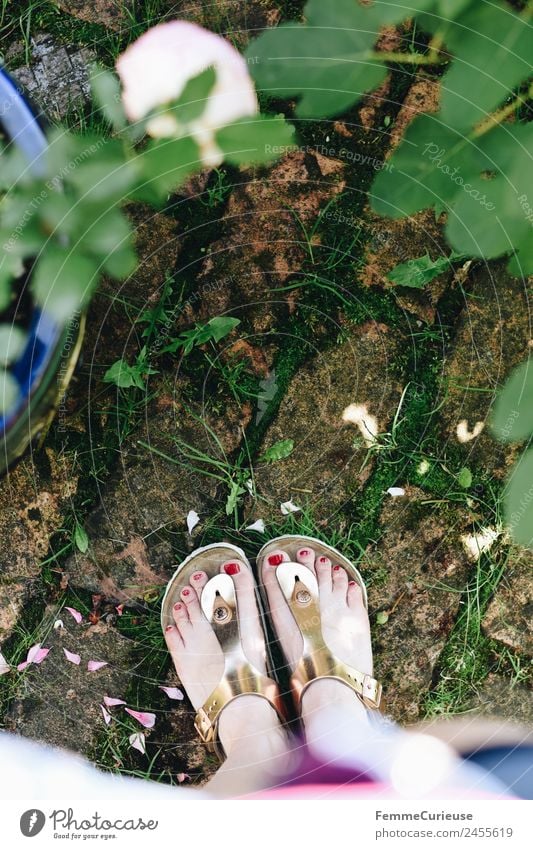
(344, 623)
(199, 659)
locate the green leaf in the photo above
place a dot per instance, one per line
(63, 281)
(125, 376)
(415, 273)
(464, 478)
(104, 176)
(325, 62)
(512, 418)
(9, 391)
(220, 326)
(255, 140)
(281, 449)
(164, 165)
(492, 47)
(495, 215)
(235, 492)
(382, 617)
(518, 501)
(12, 343)
(105, 87)
(80, 538)
(193, 99)
(6, 279)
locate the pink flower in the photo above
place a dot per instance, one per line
(107, 715)
(146, 719)
(138, 741)
(35, 655)
(155, 69)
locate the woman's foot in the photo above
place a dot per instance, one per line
(344, 623)
(200, 664)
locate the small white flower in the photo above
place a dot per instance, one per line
(423, 467)
(358, 415)
(289, 507)
(155, 69)
(58, 624)
(396, 491)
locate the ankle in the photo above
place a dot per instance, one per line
(247, 722)
(327, 693)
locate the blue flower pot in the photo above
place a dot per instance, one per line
(45, 367)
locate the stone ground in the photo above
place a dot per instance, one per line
(377, 387)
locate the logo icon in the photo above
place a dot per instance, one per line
(32, 822)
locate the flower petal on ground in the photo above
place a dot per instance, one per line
(146, 719)
(172, 692)
(396, 491)
(32, 653)
(289, 507)
(182, 776)
(256, 526)
(95, 665)
(4, 665)
(110, 702)
(138, 741)
(120, 609)
(40, 655)
(73, 658)
(107, 715)
(22, 665)
(192, 520)
(58, 624)
(75, 613)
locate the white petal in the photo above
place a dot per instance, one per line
(58, 624)
(396, 491)
(95, 665)
(4, 665)
(476, 544)
(256, 526)
(289, 507)
(358, 415)
(172, 692)
(192, 520)
(107, 715)
(463, 432)
(138, 741)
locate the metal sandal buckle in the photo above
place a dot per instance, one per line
(371, 692)
(204, 726)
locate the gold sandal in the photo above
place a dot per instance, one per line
(219, 605)
(300, 588)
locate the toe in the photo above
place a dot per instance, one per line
(173, 638)
(198, 580)
(249, 623)
(340, 580)
(181, 617)
(354, 595)
(306, 556)
(323, 573)
(192, 604)
(275, 558)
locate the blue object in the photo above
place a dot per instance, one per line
(22, 127)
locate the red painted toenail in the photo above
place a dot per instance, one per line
(185, 592)
(351, 583)
(323, 560)
(197, 577)
(275, 559)
(304, 552)
(169, 628)
(336, 568)
(178, 606)
(232, 568)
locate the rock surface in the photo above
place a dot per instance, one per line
(509, 617)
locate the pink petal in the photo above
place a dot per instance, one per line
(95, 665)
(172, 692)
(32, 652)
(182, 776)
(4, 665)
(40, 655)
(75, 613)
(107, 715)
(146, 719)
(22, 665)
(138, 741)
(74, 658)
(119, 608)
(113, 702)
